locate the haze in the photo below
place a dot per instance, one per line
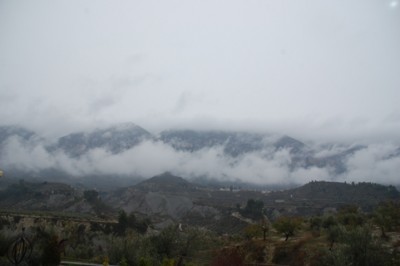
(311, 68)
(319, 71)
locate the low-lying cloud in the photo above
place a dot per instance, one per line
(374, 163)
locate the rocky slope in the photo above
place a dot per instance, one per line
(113, 139)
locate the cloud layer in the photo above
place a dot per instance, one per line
(315, 69)
(375, 163)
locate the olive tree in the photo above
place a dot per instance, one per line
(287, 226)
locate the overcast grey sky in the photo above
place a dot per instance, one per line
(327, 69)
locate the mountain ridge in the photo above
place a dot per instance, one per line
(234, 147)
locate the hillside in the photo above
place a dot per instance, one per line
(168, 197)
(318, 197)
(45, 197)
(336, 192)
(166, 182)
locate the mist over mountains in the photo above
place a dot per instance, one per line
(128, 151)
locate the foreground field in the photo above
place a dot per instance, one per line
(348, 237)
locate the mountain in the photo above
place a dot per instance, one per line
(25, 154)
(9, 131)
(163, 197)
(292, 144)
(12, 138)
(114, 139)
(334, 161)
(165, 182)
(233, 143)
(236, 144)
(21, 133)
